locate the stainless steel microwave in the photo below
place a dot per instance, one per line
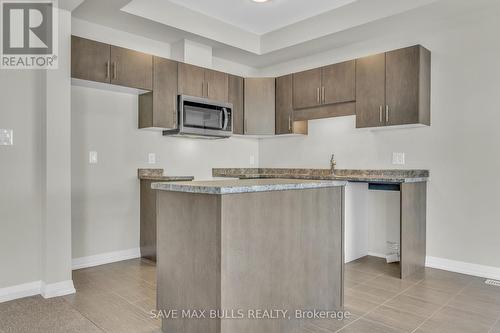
(203, 118)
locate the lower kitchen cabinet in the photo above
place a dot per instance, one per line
(285, 122)
(159, 108)
(148, 220)
(260, 106)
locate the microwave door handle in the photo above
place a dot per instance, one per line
(226, 119)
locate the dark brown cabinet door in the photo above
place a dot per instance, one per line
(236, 97)
(90, 60)
(216, 85)
(131, 68)
(403, 86)
(284, 104)
(370, 91)
(165, 93)
(307, 89)
(191, 80)
(339, 83)
(159, 107)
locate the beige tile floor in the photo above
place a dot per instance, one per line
(119, 297)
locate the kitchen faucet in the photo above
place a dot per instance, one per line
(333, 163)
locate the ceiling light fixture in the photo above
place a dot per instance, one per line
(260, 1)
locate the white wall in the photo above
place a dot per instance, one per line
(105, 196)
(459, 148)
(20, 177)
(35, 217)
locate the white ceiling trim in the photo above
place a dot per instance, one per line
(179, 17)
(264, 17)
(335, 21)
(343, 18)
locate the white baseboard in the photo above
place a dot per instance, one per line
(105, 258)
(489, 272)
(20, 291)
(37, 288)
(57, 289)
(378, 255)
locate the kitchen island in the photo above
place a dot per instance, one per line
(235, 248)
(412, 185)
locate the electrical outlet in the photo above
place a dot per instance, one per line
(93, 157)
(152, 158)
(252, 160)
(6, 137)
(398, 158)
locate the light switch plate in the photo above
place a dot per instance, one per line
(398, 158)
(152, 158)
(252, 160)
(93, 157)
(6, 137)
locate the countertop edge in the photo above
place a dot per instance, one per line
(167, 178)
(255, 174)
(221, 190)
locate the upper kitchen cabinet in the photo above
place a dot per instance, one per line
(408, 86)
(307, 89)
(323, 86)
(237, 98)
(285, 122)
(94, 61)
(131, 68)
(90, 60)
(158, 108)
(191, 80)
(217, 85)
(201, 82)
(370, 91)
(339, 83)
(260, 106)
(394, 88)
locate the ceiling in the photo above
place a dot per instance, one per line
(261, 18)
(261, 35)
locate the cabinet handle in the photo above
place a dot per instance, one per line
(387, 113)
(323, 94)
(289, 123)
(317, 97)
(107, 69)
(115, 64)
(208, 89)
(380, 119)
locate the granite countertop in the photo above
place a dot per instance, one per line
(370, 176)
(245, 185)
(157, 175)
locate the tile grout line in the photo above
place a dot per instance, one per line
(84, 316)
(442, 307)
(378, 306)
